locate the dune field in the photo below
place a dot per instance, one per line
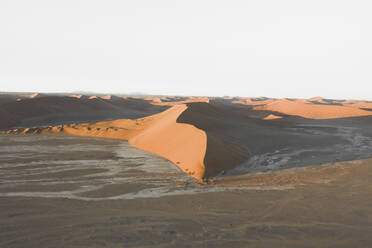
(202, 136)
(255, 163)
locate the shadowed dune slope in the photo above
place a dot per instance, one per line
(221, 154)
(53, 110)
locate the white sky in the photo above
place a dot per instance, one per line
(204, 47)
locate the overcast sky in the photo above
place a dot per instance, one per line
(205, 47)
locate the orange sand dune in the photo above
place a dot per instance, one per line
(169, 134)
(317, 99)
(264, 101)
(31, 95)
(358, 104)
(254, 101)
(222, 152)
(106, 97)
(76, 96)
(173, 102)
(313, 111)
(272, 117)
(302, 100)
(183, 144)
(153, 99)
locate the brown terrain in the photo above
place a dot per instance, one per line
(297, 171)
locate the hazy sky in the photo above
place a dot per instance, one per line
(271, 48)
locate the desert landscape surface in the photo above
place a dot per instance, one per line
(81, 170)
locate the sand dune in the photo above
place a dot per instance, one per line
(183, 144)
(172, 134)
(272, 117)
(317, 98)
(254, 101)
(33, 95)
(358, 104)
(76, 96)
(312, 111)
(177, 100)
(222, 154)
(9, 97)
(106, 97)
(153, 99)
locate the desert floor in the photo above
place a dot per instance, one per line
(61, 191)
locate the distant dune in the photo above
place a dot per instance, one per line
(272, 117)
(253, 101)
(170, 101)
(359, 104)
(76, 96)
(34, 95)
(312, 111)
